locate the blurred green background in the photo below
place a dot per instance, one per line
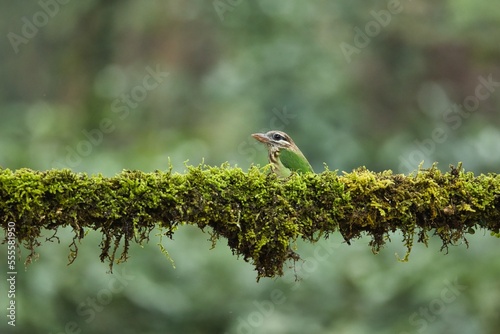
(100, 86)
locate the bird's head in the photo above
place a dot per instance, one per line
(284, 156)
(276, 140)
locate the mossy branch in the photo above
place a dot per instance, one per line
(259, 215)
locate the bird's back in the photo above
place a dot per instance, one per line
(295, 161)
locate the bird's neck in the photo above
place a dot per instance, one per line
(274, 153)
(276, 164)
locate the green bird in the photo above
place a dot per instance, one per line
(284, 156)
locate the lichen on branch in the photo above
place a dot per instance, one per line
(260, 215)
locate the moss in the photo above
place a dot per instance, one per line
(258, 214)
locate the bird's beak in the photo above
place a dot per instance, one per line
(261, 137)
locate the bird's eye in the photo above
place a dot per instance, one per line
(277, 136)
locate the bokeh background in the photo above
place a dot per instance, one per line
(100, 86)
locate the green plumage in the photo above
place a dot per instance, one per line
(295, 162)
(284, 156)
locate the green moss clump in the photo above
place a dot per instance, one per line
(258, 214)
